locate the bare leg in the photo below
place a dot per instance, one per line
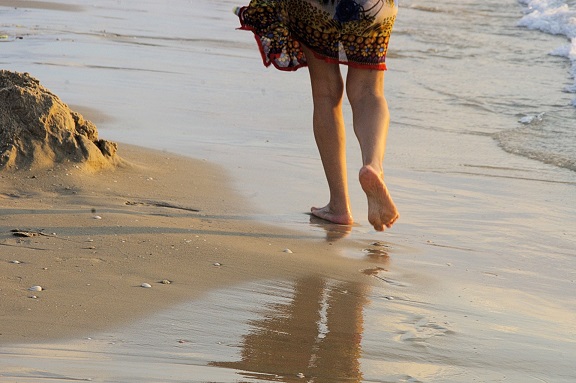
(365, 90)
(330, 135)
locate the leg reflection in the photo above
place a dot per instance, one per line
(317, 333)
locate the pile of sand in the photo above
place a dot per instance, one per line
(38, 130)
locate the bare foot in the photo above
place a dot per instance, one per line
(381, 209)
(327, 214)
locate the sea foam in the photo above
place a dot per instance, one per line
(555, 17)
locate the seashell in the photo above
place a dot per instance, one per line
(146, 285)
(36, 288)
(97, 217)
(33, 297)
(287, 251)
(300, 375)
(165, 282)
(379, 243)
(217, 264)
(15, 262)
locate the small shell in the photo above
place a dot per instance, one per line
(97, 217)
(15, 262)
(166, 282)
(33, 297)
(146, 285)
(217, 264)
(300, 375)
(287, 251)
(36, 288)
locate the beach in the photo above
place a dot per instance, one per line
(475, 283)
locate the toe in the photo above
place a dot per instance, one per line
(392, 221)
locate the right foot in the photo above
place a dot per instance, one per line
(381, 209)
(327, 214)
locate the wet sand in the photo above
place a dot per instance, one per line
(47, 5)
(474, 283)
(434, 301)
(91, 240)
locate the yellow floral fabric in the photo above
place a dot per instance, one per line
(352, 32)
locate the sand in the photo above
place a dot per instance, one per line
(90, 240)
(90, 232)
(47, 5)
(38, 130)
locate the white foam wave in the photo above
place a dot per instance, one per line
(557, 17)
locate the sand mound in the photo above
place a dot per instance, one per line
(38, 130)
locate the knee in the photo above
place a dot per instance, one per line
(330, 92)
(362, 94)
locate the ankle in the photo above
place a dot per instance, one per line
(372, 168)
(339, 208)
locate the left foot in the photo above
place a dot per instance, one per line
(381, 209)
(341, 218)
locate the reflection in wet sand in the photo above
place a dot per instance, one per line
(316, 335)
(334, 231)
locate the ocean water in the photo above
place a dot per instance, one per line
(480, 159)
(502, 69)
(549, 134)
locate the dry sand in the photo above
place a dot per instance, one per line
(38, 130)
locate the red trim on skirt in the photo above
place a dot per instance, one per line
(268, 60)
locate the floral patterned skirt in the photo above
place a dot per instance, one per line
(352, 32)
